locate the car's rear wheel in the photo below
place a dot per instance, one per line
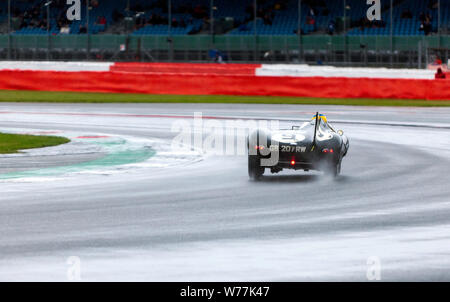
(333, 169)
(336, 169)
(255, 171)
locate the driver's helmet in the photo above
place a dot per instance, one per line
(321, 117)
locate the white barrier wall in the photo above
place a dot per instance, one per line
(281, 70)
(346, 72)
(55, 66)
(289, 80)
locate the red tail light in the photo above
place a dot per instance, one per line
(293, 162)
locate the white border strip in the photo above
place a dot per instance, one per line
(346, 72)
(55, 66)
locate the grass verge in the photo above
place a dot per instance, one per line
(12, 143)
(79, 97)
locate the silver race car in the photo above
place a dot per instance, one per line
(314, 145)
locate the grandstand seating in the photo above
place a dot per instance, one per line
(103, 9)
(405, 26)
(283, 22)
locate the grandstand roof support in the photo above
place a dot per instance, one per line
(439, 20)
(345, 32)
(169, 19)
(169, 39)
(255, 3)
(47, 4)
(9, 29)
(345, 15)
(299, 31)
(88, 45)
(392, 31)
(211, 17)
(299, 21)
(211, 20)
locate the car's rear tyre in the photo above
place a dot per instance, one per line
(333, 169)
(255, 171)
(336, 169)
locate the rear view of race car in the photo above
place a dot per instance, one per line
(314, 145)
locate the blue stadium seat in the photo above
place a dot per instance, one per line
(284, 21)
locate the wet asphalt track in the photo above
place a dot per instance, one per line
(206, 221)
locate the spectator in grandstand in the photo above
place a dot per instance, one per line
(116, 15)
(174, 22)
(268, 17)
(156, 19)
(260, 13)
(43, 24)
(422, 17)
(101, 20)
(82, 29)
(310, 19)
(379, 23)
(200, 12)
(426, 27)
(438, 61)
(64, 30)
(331, 27)
(152, 20)
(439, 74)
(311, 12)
(219, 58)
(139, 22)
(94, 3)
(214, 54)
(432, 4)
(407, 14)
(279, 5)
(249, 11)
(302, 32)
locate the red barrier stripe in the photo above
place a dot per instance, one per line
(115, 82)
(186, 68)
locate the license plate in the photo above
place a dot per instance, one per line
(288, 148)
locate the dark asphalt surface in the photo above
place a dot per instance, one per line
(205, 221)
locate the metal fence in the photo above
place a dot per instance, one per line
(400, 51)
(338, 49)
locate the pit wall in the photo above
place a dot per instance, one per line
(224, 79)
